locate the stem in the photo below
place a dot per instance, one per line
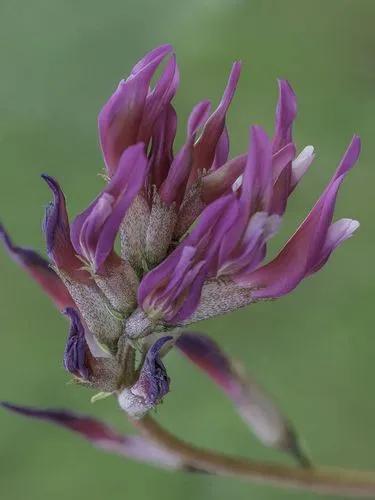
(323, 480)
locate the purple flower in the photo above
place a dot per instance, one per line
(193, 226)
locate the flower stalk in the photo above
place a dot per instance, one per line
(322, 480)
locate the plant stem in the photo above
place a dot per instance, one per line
(322, 480)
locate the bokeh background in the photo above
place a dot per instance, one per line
(314, 349)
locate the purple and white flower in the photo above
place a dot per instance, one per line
(193, 227)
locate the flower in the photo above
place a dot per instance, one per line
(193, 227)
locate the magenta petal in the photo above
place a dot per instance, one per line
(162, 146)
(39, 269)
(102, 436)
(121, 117)
(302, 255)
(158, 99)
(173, 188)
(95, 229)
(222, 150)
(256, 190)
(286, 111)
(205, 149)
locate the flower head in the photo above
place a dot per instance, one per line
(193, 227)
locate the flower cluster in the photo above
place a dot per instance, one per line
(193, 227)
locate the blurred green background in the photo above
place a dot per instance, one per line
(313, 349)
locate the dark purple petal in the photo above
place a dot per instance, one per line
(57, 233)
(103, 436)
(254, 405)
(39, 269)
(302, 255)
(121, 117)
(95, 229)
(152, 384)
(77, 353)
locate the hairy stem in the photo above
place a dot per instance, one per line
(322, 480)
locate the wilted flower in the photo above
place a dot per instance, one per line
(193, 227)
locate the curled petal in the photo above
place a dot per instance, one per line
(77, 354)
(94, 230)
(302, 255)
(301, 164)
(152, 384)
(39, 269)
(337, 233)
(254, 405)
(101, 372)
(57, 233)
(121, 117)
(102, 436)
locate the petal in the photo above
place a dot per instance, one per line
(337, 233)
(77, 354)
(173, 188)
(286, 111)
(57, 233)
(222, 150)
(205, 148)
(303, 252)
(39, 269)
(301, 164)
(162, 146)
(95, 229)
(218, 182)
(158, 99)
(120, 119)
(256, 191)
(151, 386)
(103, 436)
(254, 405)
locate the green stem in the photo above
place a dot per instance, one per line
(319, 480)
